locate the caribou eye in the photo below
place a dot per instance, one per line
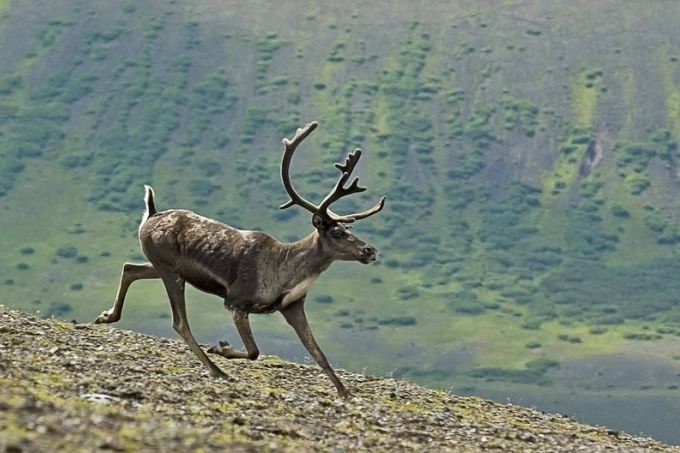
(337, 233)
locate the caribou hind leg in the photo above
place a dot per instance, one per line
(243, 327)
(131, 272)
(174, 285)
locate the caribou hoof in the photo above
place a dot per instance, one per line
(219, 374)
(106, 317)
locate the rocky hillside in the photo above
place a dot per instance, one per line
(80, 387)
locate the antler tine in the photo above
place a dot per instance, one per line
(289, 149)
(350, 162)
(301, 134)
(361, 215)
(340, 191)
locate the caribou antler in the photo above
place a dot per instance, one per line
(289, 149)
(340, 190)
(336, 193)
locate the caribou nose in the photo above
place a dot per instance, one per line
(369, 251)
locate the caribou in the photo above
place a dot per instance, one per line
(250, 270)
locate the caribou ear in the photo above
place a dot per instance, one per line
(320, 223)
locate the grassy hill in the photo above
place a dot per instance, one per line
(85, 388)
(528, 152)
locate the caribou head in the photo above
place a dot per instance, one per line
(333, 229)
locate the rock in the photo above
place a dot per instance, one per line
(100, 398)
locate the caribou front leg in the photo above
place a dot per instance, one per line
(295, 316)
(243, 326)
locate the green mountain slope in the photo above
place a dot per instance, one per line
(528, 152)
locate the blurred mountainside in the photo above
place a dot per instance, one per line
(528, 151)
(523, 147)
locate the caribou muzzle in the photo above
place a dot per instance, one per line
(368, 254)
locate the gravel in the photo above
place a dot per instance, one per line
(84, 387)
